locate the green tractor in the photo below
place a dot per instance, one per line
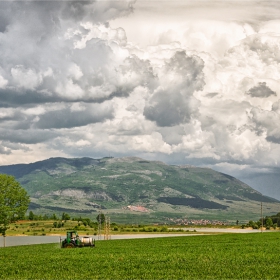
(73, 240)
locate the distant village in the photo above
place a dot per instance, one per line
(179, 221)
(186, 222)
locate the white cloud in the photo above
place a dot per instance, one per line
(26, 78)
(150, 143)
(75, 72)
(3, 82)
(69, 89)
(192, 81)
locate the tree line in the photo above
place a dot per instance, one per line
(100, 218)
(268, 222)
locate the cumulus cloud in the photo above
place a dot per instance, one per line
(173, 102)
(266, 46)
(40, 56)
(267, 123)
(92, 78)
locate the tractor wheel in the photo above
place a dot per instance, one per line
(69, 245)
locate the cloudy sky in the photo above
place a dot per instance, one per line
(184, 82)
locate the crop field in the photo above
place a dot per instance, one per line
(225, 256)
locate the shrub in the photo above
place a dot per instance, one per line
(164, 229)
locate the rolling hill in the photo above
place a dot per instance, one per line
(135, 190)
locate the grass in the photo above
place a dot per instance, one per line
(227, 256)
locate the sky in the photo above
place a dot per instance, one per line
(183, 82)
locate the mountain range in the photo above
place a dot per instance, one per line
(134, 190)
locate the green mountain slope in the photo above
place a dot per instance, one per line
(83, 186)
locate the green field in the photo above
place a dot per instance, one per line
(225, 256)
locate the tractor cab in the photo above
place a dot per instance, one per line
(73, 240)
(72, 235)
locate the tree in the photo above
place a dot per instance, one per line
(31, 216)
(54, 217)
(100, 218)
(253, 224)
(65, 217)
(278, 222)
(14, 202)
(268, 223)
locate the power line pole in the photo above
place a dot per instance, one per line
(262, 216)
(99, 224)
(107, 228)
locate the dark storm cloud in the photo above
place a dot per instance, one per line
(175, 104)
(211, 94)
(170, 108)
(274, 138)
(15, 98)
(4, 15)
(67, 118)
(13, 119)
(263, 178)
(24, 136)
(262, 90)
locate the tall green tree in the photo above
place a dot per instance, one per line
(100, 218)
(65, 216)
(268, 223)
(14, 202)
(31, 216)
